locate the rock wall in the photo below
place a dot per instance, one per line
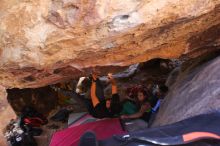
(196, 91)
(46, 41)
(42, 99)
(6, 114)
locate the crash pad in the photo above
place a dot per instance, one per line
(87, 118)
(192, 131)
(102, 128)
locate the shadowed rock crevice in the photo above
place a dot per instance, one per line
(42, 99)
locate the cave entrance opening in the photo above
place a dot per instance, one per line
(45, 99)
(48, 101)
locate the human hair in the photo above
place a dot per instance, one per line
(116, 106)
(146, 97)
(144, 92)
(163, 88)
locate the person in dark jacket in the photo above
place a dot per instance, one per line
(96, 104)
(109, 107)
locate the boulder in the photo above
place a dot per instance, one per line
(196, 91)
(45, 41)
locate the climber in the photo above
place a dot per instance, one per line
(109, 107)
(113, 104)
(99, 87)
(96, 103)
(144, 107)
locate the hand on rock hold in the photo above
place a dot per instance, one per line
(111, 78)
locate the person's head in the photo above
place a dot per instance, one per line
(108, 103)
(142, 95)
(113, 104)
(149, 86)
(163, 89)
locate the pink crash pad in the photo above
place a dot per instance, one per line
(102, 128)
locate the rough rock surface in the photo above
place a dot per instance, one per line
(45, 41)
(196, 91)
(6, 114)
(43, 99)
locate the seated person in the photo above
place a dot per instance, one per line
(128, 107)
(159, 95)
(144, 107)
(129, 104)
